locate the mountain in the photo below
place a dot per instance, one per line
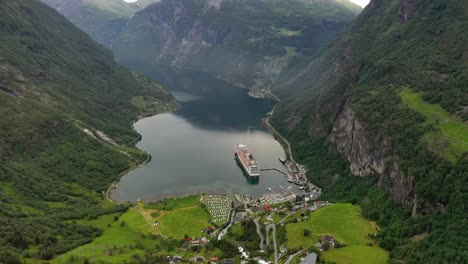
(66, 134)
(101, 19)
(246, 42)
(387, 102)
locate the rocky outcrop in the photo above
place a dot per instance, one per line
(406, 9)
(366, 158)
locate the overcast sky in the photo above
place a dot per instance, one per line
(362, 3)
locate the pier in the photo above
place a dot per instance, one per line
(274, 169)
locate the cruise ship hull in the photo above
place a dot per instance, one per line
(251, 178)
(247, 161)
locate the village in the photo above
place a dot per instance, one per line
(278, 206)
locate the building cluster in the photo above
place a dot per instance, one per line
(195, 243)
(326, 242)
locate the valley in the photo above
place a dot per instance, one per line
(124, 151)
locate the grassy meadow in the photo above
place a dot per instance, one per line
(120, 240)
(449, 134)
(361, 254)
(179, 217)
(342, 221)
(345, 223)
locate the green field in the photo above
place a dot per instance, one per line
(101, 222)
(356, 254)
(179, 216)
(449, 138)
(118, 242)
(342, 221)
(345, 223)
(181, 221)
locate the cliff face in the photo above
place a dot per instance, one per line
(247, 43)
(366, 158)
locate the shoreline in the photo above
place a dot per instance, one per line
(285, 145)
(133, 142)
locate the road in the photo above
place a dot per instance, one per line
(231, 220)
(291, 257)
(268, 227)
(284, 218)
(289, 152)
(259, 232)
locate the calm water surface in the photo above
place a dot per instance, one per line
(193, 149)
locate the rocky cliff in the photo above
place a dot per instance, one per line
(365, 158)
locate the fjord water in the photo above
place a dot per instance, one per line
(192, 149)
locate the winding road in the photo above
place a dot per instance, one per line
(268, 227)
(259, 232)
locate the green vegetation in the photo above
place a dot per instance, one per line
(343, 221)
(101, 222)
(245, 233)
(448, 135)
(170, 204)
(182, 221)
(55, 82)
(122, 239)
(356, 254)
(178, 217)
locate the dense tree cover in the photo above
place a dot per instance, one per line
(392, 44)
(249, 236)
(55, 82)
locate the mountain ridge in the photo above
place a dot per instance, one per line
(255, 39)
(344, 109)
(66, 132)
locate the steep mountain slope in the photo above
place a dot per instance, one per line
(101, 19)
(66, 109)
(246, 42)
(375, 104)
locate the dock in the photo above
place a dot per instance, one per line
(274, 169)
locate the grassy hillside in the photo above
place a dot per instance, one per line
(391, 45)
(447, 135)
(66, 122)
(342, 221)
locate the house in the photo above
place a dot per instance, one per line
(214, 260)
(195, 243)
(318, 245)
(267, 207)
(199, 259)
(327, 238)
(311, 258)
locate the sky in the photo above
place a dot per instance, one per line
(362, 3)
